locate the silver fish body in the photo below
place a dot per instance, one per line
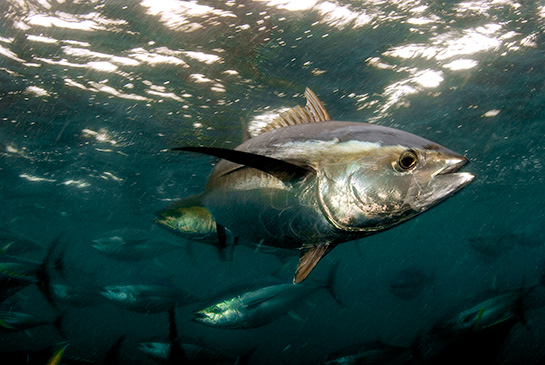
(485, 314)
(133, 245)
(76, 295)
(254, 308)
(145, 298)
(312, 184)
(193, 353)
(17, 321)
(357, 189)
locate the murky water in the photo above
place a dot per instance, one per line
(94, 94)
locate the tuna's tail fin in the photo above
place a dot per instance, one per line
(330, 284)
(50, 263)
(113, 355)
(177, 355)
(57, 323)
(244, 359)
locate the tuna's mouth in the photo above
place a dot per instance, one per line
(453, 165)
(199, 315)
(444, 183)
(450, 170)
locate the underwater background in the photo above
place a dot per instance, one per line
(95, 94)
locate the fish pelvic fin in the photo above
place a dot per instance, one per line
(314, 111)
(282, 170)
(308, 261)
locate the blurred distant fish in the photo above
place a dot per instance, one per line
(194, 352)
(309, 183)
(15, 244)
(18, 321)
(146, 298)
(258, 307)
(184, 350)
(474, 334)
(374, 352)
(409, 283)
(75, 295)
(17, 272)
(495, 245)
(485, 314)
(134, 244)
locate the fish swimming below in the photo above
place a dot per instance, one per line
(309, 183)
(133, 245)
(145, 298)
(408, 283)
(258, 307)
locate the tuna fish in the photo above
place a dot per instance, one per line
(309, 183)
(133, 245)
(146, 298)
(256, 308)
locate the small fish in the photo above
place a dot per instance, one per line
(408, 283)
(18, 272)
(12, 321)
(308, 183)
(144, 298)
(134, 244)
(496, 245)
(258, 307)
(14, 244)
(184, 350)
(374, 352)
(76, 295)
(485, 314)
(194, 352)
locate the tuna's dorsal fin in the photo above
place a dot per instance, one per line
(285, 171)
(313, 112)
(308, 260)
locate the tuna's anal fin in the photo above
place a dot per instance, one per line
(282, 170)
(309, 259)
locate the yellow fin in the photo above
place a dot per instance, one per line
(477, 326)
(313, 112)
(309, 259)
(57, 355)
(3, 324)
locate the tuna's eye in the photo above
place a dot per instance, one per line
(407, 160)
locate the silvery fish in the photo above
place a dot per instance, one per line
(133, 245)
(488, 313)
(18, 321)
(256, 308)
(374, 352)
(194, 353)
(184, 350)
(310, 183)
(144, 298)
(76, 295)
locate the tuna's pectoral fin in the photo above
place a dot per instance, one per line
(309, 259)
(283, 170)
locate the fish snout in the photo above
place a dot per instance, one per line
(453, 164)
(199, 315)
